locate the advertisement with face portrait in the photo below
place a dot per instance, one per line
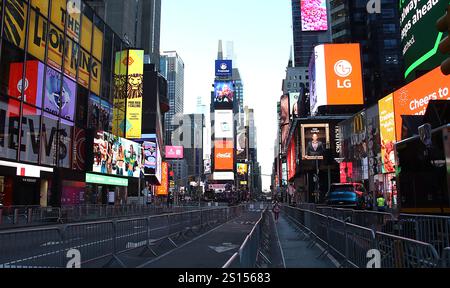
(293, 104)
(241, 149)
(223, 95)
(117, 156)
(291, 158)
(315, 141)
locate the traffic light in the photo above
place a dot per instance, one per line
(443, 25)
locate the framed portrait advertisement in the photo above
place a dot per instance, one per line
(315, 141)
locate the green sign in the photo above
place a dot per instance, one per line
(419, 35)
(107, 180)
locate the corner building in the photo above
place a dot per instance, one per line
(57, 60)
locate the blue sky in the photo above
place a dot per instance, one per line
(262, 35)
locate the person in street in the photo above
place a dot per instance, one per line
(381, 203)
(147, 195)
(276, 209)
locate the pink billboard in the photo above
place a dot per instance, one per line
(174, 152)
(314, 15)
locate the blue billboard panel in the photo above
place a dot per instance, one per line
(224, 68)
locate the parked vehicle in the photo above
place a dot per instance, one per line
(348, 195)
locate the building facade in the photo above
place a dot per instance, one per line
(174, 70)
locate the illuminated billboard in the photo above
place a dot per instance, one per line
(314, 15)
(292, 159)
(284, 119)
(419, 37)
(224, 68)
(223, 155)
(315, 141)
(387, 133)
(163, 189)
(242, 169)
(34, 76)
(135, 92)
(338, 66)
(224, 125)
(293, 104)
(223, 95)
(174, 152)
(117, 156)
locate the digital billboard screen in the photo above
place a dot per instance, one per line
(315, 141)
(223, 155)
(223, 124)
(174, 152)
(338, 66)
(419, 37)
(163, 189)
(242, 169)
(224, 68)
(223, 94)
(291, 158)
(387, 133)
(117, 156)
(284, 119)
(314, 15)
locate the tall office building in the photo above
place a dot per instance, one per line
(379, 36)
(304, 41)
(175, 82)
(137, 21)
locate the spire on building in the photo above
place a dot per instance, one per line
(291, 61)
(220, 53)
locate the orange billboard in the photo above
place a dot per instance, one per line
(413, 98)
(344, 74)
(387, 133)
(163, 189)
(223, 155)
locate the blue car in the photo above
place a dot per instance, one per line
(346, 195)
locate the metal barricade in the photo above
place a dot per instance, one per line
(400, 252)
(430, 229)
(445, 259)
(94, 240)
(358, 241)
(336, 238)
(32, 248)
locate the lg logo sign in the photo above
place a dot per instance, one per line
(343, 69)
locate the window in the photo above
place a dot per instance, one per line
(389, 28)
(9, 124)
(49, 139)
(390, 43)
(82, 106)
(30, 142)
(387, 13)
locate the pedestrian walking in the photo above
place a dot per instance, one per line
(276, 209)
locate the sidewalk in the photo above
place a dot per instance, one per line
(296, 252)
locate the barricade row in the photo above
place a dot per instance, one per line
(51, 247)
(434, 230)
(359, 247)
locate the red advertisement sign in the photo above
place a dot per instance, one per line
(163, 189)
(223, 155)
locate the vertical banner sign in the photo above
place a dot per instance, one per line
(135, 92)
(120, 76)
(163, 189)
(387, 133)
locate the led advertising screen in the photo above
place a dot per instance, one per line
(339, 67)
(314, 15)
(291, 159)
(223, 155)
(224, 124)
(387, 133)
(241, 142)
(419, 37)
(54, 100)
(174, 152)
(34, 77)
(242, 169)
(224, 68)
(413, 98)
(223, 95)
(284, 120)
(315, 141)
(293, 104)
(117, 156)
(150, 155)
(163, 189)
(135, 92)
